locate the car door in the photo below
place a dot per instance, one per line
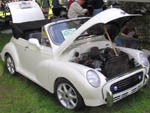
(36, 63)
(21, 45)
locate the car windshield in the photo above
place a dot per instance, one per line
(62, 31)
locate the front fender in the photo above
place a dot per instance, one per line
(50, 70)
(68, 71)
(135, 54)
(76, 74)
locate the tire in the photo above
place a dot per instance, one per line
(10, 65)
(67, 95)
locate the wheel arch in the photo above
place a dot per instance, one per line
(10, 49)
(7, 53)
(72, 72)
(77, 84)
(59, 79)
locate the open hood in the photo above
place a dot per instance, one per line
(107, 17)
(25, 11)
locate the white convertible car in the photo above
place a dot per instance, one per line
(72, 58)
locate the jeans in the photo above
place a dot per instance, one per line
(127, 42)
(96, 11)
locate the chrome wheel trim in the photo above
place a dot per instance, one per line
(67, 96)
(10, 65)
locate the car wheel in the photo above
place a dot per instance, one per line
(10, 65)
(68, 96)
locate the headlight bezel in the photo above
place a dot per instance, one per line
(93, 78)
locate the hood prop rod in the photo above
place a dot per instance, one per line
(105, 30)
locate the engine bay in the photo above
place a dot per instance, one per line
(105, 61)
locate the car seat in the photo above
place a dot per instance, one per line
(36, 35)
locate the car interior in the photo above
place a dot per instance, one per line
(30, 30)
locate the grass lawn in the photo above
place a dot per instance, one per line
(20, 95)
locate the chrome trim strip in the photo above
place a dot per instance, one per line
(148, 79)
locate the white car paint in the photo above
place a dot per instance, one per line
(44, 65)
(20, 15)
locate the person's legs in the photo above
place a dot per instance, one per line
(132, 42)
(96, 11)
(119, 41)
(46, 12)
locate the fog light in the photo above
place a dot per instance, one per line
(140, 77)
(115, 88)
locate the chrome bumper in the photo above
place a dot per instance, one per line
(147, 79)
(110, 99)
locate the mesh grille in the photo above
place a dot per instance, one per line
(126, 83)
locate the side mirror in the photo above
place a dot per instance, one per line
(35, 42)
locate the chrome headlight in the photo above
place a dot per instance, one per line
(93, 78)
(143, 59)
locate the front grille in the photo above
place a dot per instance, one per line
(126, 83)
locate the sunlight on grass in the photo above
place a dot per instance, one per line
(20, 95)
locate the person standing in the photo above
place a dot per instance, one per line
(59, 8)
(127, 38)
(76, 9)
(70, 2)
(45, 8)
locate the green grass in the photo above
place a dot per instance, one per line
(20, 95)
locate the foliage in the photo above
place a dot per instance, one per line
(142, 23)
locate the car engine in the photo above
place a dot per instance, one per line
(105, 61)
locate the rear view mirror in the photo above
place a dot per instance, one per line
(35, 42)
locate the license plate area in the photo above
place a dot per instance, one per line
(124, 94)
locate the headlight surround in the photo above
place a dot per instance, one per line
(143, 59)
(93, 79)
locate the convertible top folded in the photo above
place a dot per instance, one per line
(21, 29)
